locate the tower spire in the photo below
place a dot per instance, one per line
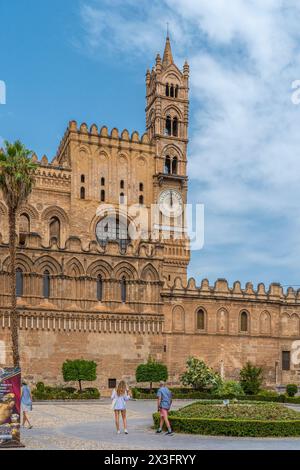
(168, 57)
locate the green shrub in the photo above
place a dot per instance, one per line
(40, 386)
(268, 394)
(291, 390)
(199, 375)
(68, 393)
(230, 388)
(70, 389)
(251, 379)
(152, 371)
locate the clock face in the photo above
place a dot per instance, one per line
(170, 203)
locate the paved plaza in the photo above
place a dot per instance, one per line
(90, 425)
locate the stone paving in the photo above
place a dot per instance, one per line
(85, 426)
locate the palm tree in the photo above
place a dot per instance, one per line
(16, 182)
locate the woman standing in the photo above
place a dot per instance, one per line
(120, 398)
(26, 403)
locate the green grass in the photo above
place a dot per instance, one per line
(247, 411)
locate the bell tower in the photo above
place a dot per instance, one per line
(167, 111)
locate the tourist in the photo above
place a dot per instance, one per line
(120, 397)
(164, 402)
(26, 403)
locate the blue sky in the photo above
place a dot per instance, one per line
(86, 60)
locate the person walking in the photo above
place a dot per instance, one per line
(26, 403)
(120, 397)
(164, 403)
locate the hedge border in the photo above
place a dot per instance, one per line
(232, 427)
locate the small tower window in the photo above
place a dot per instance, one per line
(167, 90)
(46, 285)
(24, 228)
(174, 166)
(19, 282)
(122, 184)
(141, 200)
(167, 165)
(168, 130)
(176, 91)
(244, 322)
(175, 127)
(82, 193)
(172, 91)
(141, 187)
(102, 195)
(82, 178)
(102, 181)
(122, 198)
(99, 288)
(200, 320)
(54, 229)
(123, 290)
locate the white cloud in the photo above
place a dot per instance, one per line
(245, 139)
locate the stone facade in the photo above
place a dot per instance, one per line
(86, 290)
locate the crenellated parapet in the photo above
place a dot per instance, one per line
(221, 289)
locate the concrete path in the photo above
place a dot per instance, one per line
(91, 426)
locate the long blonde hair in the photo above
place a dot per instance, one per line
(121, 388)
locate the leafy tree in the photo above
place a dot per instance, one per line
(152, 371)
(79, 370)
(251, 379)
(16, 182)
(199, 375)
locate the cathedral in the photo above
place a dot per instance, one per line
(103, 253)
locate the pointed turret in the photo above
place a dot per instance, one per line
(168, 57)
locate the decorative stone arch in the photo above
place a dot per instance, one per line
(47, 263)
(222, 320)
(172, 75)
(178, 319)
(125, 269)
(285, 324)
(149, 273)
(101, 268)
(74, 268)
(60, 214)
(265, 324)
(200, 319)
(84, 150)
(173, 111)
(23, 262)
(294, 324)
(244, 326)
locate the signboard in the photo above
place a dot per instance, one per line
(10, 406)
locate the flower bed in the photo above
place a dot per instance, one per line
(243, 419)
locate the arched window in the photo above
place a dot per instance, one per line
(123, 290)
(19, 282)
(244, 322)
(82, 178)
(46, 285)
(113, 229)
(102, 197)
(167, 90)
(122, 198)
(175, 127)
(200, 319)
(24, 228)
(176, 91)
(99, 288)
(168, 130)
(54, 229)
(174, 166)
(102, 181)
(122, 184)
(167, 165)
(141, 187)
(172, 91)
(82, 193)
(141, 200)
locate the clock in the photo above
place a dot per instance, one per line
(170, 203)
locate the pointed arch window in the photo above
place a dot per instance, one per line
(19, 282)
(122, 198)
(175, 166)
(175, 127)
(167, 90)
(172, 91)
(46, 285)
(122, 184)
(123, 290)
(82, 178)
(176, 91)
(54, 229)
(244, 322)
(141, 187)
(201, 319)
(24, 228)
(141, 200)
(102, 181)
(168, 130)
(82, 193)
(167, 165)
(102, 195)
(99, 288)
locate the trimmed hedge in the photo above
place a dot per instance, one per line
(42, 392)
(231, 427)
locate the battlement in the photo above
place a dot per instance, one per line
(221, 289)
(98, 136)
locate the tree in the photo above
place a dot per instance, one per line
(199, 375)
(16, 183)
(152, 371)
(251, 379)
(79, 370)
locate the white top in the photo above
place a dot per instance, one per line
(119, 403)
